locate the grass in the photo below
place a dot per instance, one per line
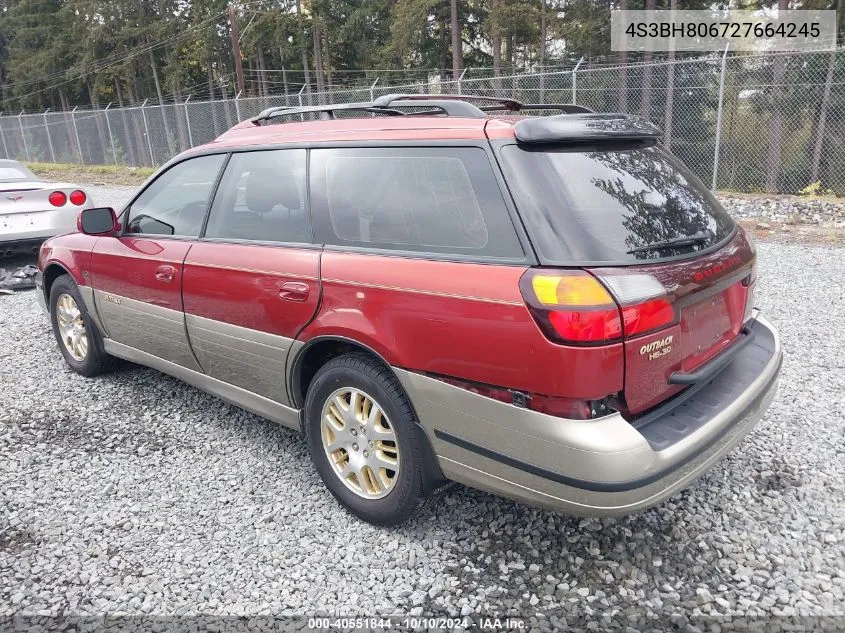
(91, 174)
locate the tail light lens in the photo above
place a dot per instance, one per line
(571, 307)
(78, 198)
(58, 198)
(647, 316)
(574, 307)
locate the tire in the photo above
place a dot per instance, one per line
(401, 495)
(92, 360)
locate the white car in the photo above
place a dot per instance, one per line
(32, 210)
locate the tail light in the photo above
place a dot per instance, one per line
(574, 307)
(645, 306)
(58, 198)
(78, 198)
(571, 307)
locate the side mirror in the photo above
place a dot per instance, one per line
(99, 221)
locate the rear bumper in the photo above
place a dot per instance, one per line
(601, 467)
(31, 227)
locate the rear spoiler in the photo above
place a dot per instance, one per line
(585, 127)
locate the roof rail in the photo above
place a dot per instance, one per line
(504, 103)
(437, 104)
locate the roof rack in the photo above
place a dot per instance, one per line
(436, 104)
(502, 103)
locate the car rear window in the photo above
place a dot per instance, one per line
(435, 200)
(15, 173)
(604, 203)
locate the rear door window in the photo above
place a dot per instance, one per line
(609, 203)
(435, 200)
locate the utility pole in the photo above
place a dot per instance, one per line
(236, 49)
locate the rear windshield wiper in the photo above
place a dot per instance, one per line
(674, 242)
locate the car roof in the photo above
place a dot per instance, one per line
(363, 128)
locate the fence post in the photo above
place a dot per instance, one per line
(76, 134)
(188, 122)
(299, 96)
(49, 138)
(238, 106)
(719, 119)
(147, 132)
(111, 136)
(574, 71)
(23, 136)
(372, 97)
(460, 79)
(3, 136)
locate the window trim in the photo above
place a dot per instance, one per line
(234, 240)
(528, 255)
(124, 224)
(529, 258)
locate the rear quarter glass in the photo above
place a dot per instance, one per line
(593, 204)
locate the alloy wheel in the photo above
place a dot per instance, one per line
(360, 443)
(72, 327)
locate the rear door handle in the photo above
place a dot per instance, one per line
(165, 273)
(294, 291)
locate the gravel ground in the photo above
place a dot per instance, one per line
(110, 195)
(135, 493)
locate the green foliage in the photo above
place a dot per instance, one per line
(815, 190)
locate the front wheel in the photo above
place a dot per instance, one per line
(364, 439)
(77, 335)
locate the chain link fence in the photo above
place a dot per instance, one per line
(752, 123)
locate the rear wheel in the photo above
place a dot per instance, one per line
(79, 340)
(364, 439)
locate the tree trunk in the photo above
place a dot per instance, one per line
(102, 131)
(262, 78)
(167, 133)
(668, 112)
(303, 48)
(496, 43)
(822, 121)
(318, 61)
(142, 148)
(215, 121)
(128, 146)
(542, 51)
(284, 75)
(623, 71)
(645, 102)
(444, 45)
(457, 43)
(774, 158)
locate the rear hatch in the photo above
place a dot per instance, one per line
(631, 215)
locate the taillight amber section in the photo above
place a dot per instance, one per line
(574, 307)
(569, 290)
(571, 307)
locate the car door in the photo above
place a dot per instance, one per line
(251, 283)
(137, 276)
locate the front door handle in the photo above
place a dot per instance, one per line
(165, 273)
(294, 291)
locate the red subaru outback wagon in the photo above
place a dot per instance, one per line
(432, 288)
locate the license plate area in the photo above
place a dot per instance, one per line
(14, 221)
(705, 329)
